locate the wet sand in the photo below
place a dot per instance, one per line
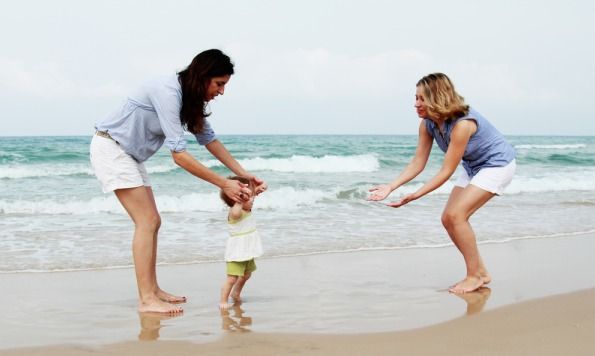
(367, 302)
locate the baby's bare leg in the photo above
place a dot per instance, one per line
(237, 289)
(226, 290)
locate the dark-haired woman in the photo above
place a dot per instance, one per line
(158, 113)
(487, 160)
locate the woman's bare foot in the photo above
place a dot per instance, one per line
(170, 298)
(156, 305)
(469, 284)
(486, 278)
(223, 306)
(150, 323)
(476, 299)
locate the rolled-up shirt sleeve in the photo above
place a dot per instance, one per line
(167, 102)
(207, 135)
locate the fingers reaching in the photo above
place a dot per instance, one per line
(379, 192)
(260, 185)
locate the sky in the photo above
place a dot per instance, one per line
(302, 67)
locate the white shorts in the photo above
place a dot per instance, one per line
(115, 168)
(491, 179)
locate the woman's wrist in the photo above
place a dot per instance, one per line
(220, 181)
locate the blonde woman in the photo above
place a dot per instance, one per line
(467, 138)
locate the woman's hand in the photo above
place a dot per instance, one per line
(237, 191)
(406, 199)
(379, 192)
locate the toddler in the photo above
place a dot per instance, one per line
(243, 245)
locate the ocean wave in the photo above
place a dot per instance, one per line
(43, 170)
(293, 164)
(285, 198)
(551, 147)
(552, 183)
(309, 164)
(306, 164)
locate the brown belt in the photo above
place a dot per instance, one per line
(104, 134)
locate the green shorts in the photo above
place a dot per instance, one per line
(240, 268)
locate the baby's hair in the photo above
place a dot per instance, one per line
(228, 201)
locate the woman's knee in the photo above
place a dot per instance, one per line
(150, 222)
(450, 218)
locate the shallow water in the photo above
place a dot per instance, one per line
(53, 215)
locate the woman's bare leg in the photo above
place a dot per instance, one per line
(462, 203)
(163, 295)
(140, 205)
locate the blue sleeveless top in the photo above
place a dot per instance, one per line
(487, 147)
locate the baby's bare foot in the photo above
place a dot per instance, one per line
(469, 284)
(170, 298)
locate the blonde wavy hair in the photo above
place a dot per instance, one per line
(441, 99)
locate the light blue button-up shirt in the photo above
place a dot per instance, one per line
(149, 118)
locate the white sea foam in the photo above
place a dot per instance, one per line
(583, 180)
(43, 170)
(283, 198)
(554, 182)
(56, 219)
(296, 163)
(309, 164)
(551, 147)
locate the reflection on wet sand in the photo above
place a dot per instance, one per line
(150, 323)
(237, 321)
(476, 300)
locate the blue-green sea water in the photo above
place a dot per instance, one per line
(53, 215)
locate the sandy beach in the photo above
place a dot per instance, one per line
(382, 302)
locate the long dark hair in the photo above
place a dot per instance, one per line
(195, 80)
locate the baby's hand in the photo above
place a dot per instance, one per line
(259, 184)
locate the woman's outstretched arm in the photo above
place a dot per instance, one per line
(413, 169)
(232, 188)
(459, 138)
(220, 152)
